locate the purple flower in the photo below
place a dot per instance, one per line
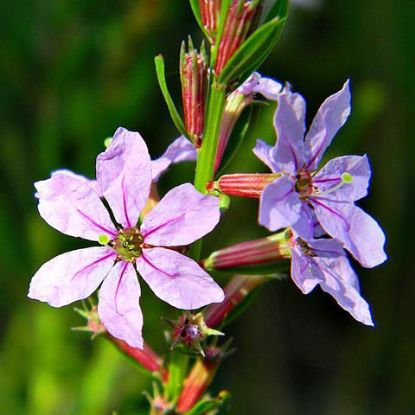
(74, 205)
(302, 194)
(323, 262)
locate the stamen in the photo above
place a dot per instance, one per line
(345, 178)
(107, 142)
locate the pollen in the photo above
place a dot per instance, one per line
(129, 244)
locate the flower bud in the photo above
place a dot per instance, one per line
(193, 75)
(243, 185)
(209, 12)
(239, 21)
(273, 248)
(200, 377)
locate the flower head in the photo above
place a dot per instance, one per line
(303, 194)
(75, 206)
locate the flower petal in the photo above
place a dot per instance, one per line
(181, 217)
(124, 176)
(304, 272)
(330, 176)
(262, 150)
(288, 153)
(330, 268)
(69, 203)
(340, 281)
(280, 205)
(269, 88)
(359, 233)
(118, 306)
(177, 279)
(179, 150)
(257, 84)
(71, 276)
(331, 116)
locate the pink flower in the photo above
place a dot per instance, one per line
(77, 207)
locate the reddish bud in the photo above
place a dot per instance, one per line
(198, 380)
(193, 75)
(244, 185)
(239, 21)
(259, 251)
(209, 12)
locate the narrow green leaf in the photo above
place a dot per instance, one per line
(252, 52)
(236, 139)
(278, 9)
(177, 371)
(161, 77)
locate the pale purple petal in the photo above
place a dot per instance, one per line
(248, 86)
(124, 176)
(257, 84)
(330, 176)
(359, 233)
(288, 153)
(71, 276)
(331, 116)
(280, 205)
(329, 267)
(263, 151)
(269, 88)
(118, 306)
(304, 272)
(305, 226)
(177, 279)
(181, 217)
(179, 150)
(69, 203)
(340, 281)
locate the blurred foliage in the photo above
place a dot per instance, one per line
(71, 72)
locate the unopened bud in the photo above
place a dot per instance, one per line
(240, 20)
(193, 75)
(209, 12)
(273, 248)
(244, 185)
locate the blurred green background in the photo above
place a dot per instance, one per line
(72, 72)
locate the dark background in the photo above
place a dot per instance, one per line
(72, 72)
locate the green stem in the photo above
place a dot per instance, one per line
(207, 153)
